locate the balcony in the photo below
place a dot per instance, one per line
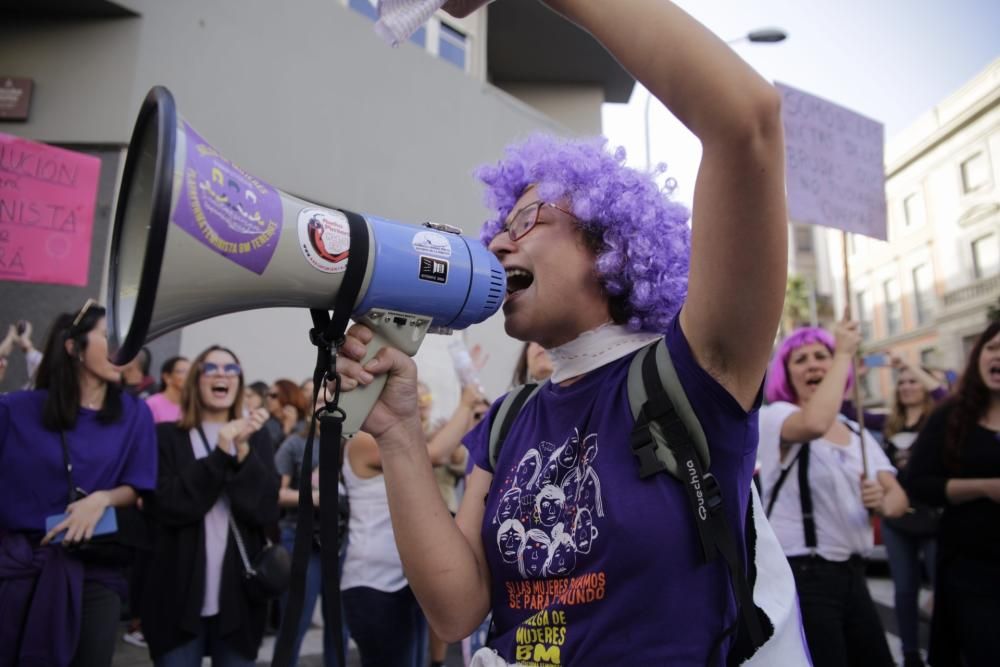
(980, 289)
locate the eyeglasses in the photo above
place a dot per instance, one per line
(227, 370)
(83, 311)
(525, 220)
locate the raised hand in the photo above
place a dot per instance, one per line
(872, 494)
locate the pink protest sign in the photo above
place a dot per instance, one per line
(835, 176)
(47, 198)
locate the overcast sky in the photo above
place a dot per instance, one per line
(891, 60)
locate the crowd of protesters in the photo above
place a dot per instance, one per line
(201, 463)
(555, 535)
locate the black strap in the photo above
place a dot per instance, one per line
(781, 482)
(805, 498)
(327, 335)
(704, 497)
(523, 394)
(805, 493)
(72, 493)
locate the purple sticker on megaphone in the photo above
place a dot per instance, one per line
(227, 209)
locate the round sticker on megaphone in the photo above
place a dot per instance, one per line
(325, 239)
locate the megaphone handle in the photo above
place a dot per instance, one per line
(358, 402)
(405, 335)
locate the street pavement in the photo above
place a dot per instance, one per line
(879, 584)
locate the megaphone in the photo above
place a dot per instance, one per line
(195, 237)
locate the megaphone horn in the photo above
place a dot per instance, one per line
(195, 237)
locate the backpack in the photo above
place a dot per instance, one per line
(668, 438)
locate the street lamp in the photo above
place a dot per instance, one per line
(759, 36)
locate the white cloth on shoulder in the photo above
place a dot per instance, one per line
(595, 348)
(398, 19)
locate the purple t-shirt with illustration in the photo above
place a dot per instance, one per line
(591, 564)
(33, 482)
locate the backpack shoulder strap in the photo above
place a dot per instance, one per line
(505, 415)
(667, 437)
(662, 379)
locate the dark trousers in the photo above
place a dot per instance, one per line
(966, 609)
(841, 624)
(98, 627)
(389, 628)
(906, 568)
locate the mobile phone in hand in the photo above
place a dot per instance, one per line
(21, 327)
(876, 360)
(108, 523)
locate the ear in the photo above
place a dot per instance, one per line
(70, 346)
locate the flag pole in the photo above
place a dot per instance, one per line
(858, 407)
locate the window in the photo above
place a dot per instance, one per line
(923, 293)
(890, 293)
(975, 173)
(419, 37)
(913, 210)
(928, 356)
(985, 256)
(451, 46)
(803, 236)
(863, 314)
(365, 7)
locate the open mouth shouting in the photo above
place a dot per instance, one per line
(220, 389)
(518, 280)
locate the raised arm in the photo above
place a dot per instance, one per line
(818, 414)
(448, 438)
(739, 247)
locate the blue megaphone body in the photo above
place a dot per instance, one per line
(195, 236)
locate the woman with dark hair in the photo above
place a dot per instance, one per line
(217, 485)
(955, 464)
(71, 451)
(911, 535)
(255, 396)
(534, 365)
(287, 406)
(166, 405)
(818, 497)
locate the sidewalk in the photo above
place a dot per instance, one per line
(127, 655)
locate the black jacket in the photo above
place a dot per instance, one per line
(171, 600)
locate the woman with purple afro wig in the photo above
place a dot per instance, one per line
(819, 487)
(601, 264)
(640, 237)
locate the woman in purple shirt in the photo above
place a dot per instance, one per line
(580, 560)
(77, 446)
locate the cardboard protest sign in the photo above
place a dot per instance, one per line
(835, 173)
(47, 198)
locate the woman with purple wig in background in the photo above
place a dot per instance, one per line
(581, 561)
(818, 497)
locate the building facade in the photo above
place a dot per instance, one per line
(304, 96)
(926, 293)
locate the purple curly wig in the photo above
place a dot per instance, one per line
(777, 387)
(643, 240)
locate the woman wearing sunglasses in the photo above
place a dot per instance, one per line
(216, 477)
(71, 452)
